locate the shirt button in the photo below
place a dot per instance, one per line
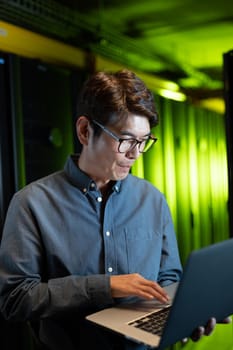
(108, 233)
(92, 185)
(110, 269)
(99, 199)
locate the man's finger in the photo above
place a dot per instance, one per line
(184, 341)
(210, 326)
(226, 320)
(197, 334)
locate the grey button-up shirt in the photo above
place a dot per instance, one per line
(61, 243)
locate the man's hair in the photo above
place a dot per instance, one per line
(111, 97)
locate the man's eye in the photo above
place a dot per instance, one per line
(129, 141)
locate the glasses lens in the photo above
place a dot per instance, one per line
(146, 145)
(126, 145)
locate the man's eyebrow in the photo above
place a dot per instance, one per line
(128, 133)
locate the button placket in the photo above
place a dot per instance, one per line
(108, 235)
(109, 243)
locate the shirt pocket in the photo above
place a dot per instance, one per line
(143, 249)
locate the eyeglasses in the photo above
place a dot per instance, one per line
(127, 145)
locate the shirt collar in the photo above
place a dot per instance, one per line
(82, 180)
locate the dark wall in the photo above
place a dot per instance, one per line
(228, 90)
(47, 112)
(7, 185)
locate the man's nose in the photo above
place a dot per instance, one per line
(134, 152)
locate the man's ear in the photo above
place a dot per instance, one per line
(82, 130)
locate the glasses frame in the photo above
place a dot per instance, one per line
(120, 140)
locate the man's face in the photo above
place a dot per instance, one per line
(102, 160)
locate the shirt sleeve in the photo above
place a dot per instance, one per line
(170, 265)
(25, 292)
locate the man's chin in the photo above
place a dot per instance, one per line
(122, 176)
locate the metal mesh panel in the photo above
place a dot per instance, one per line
(47, 17)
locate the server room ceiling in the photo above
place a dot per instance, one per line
(178, 40)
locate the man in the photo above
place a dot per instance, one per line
(91, 235)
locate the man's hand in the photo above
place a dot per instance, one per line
(136, 285)
(207, 330)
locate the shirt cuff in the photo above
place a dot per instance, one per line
(99, 290)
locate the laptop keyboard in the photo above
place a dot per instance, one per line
(153, 322)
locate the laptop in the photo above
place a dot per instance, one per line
(205, 291)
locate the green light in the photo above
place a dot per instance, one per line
(172, 95)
